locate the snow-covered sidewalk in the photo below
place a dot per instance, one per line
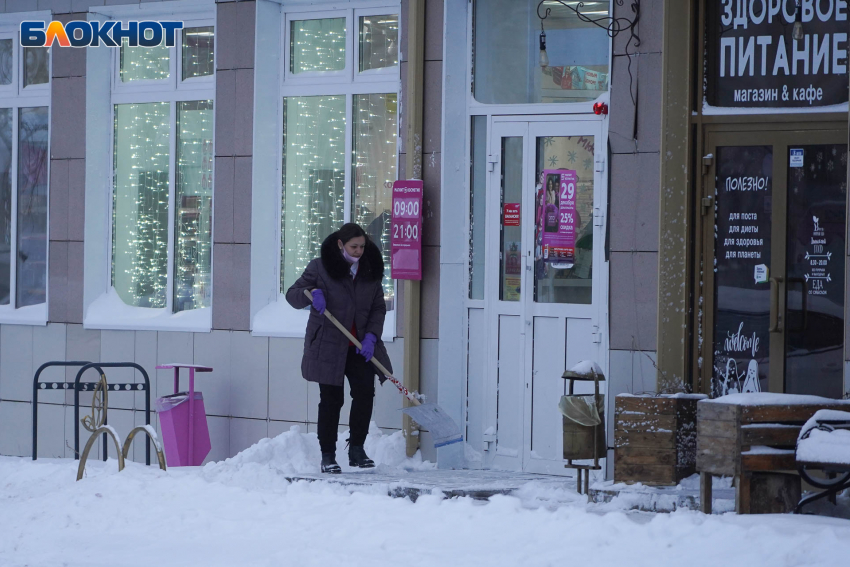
(242, 512)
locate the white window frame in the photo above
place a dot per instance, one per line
(307, 77)
(483, 108)
(271, 315)
(103, 309)
(372, 74)
(15, 96)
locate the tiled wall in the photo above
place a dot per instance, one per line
(255, 390)
(234, 86)
(633, 208)
(633, 202)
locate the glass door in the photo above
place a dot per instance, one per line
(549, 279)
(774, 287)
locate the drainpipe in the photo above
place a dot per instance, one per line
(413, 140)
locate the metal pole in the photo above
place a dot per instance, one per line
(413, 140)
(191, 416)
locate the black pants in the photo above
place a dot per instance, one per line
(361, 379)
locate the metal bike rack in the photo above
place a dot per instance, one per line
(77, 386)
(37, 386)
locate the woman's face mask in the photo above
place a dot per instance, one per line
(353, 249)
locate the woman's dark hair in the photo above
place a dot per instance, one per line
(351, 230)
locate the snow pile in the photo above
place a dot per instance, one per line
(586, 367)
(294, 453)
(291, 452)
(143, 516)
(822, 446)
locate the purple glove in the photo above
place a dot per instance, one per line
(368, 344)
(319, 301)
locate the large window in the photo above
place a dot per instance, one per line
(339, 131)
(162, 163)
(507, 66)
(24, 161)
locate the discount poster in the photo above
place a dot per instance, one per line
(556, 217)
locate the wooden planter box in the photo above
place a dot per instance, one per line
(655, 438)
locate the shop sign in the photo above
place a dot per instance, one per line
(754, 62)
(406, 248)
(556, 216)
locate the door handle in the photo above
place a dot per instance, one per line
(805, 303)
(775, 319)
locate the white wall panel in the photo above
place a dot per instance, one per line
(246, 432)
(476, 378)
(213, 350)
(119, 346)
(48, 344)
(123, 421)
(287, 388)
(219, 438)
(145, 356)
(16, 362)
(547, 387)
(580, 347)
(172, 347)
(249, 375)
(510, 393)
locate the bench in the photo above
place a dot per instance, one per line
(824, 446)
(752, 437)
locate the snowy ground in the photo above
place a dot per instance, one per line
(241, 512)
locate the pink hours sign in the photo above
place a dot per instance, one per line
(407, 230)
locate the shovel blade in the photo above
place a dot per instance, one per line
(432, 417)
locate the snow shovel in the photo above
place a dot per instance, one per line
(432, 417)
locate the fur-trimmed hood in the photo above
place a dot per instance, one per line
(371, 262)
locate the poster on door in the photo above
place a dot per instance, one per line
(556, 217)
(743, 219)
(512, 272)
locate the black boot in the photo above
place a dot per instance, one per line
(329, 464)
(357, 457)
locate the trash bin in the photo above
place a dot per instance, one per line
(183, 421)
(583, 421)
(580, 423)
(176, 427)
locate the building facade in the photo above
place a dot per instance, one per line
(160, 201)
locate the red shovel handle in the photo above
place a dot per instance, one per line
(374, 361)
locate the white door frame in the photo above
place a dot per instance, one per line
(530, 128)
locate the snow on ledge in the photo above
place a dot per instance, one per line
(110, 312)
(586, 367)
(29, 315)
(280, 319)
(769, 398)
(682, 395)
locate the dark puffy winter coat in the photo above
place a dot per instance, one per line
(359, 300)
